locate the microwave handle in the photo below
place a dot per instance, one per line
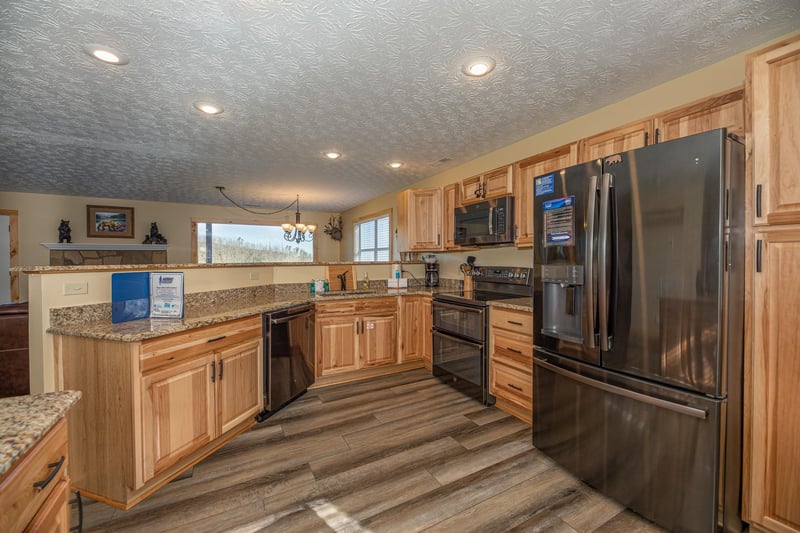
(491, 221)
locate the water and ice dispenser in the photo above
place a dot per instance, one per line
(562, 299)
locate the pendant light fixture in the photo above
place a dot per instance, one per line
(298, 232)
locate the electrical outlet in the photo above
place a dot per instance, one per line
(254, 275)
(76, 288)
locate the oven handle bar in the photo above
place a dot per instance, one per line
(478, 345)
(464, 308)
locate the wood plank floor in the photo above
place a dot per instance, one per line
(396, 453)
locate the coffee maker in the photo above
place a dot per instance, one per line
(431, 270)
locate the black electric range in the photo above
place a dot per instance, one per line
(461, 327)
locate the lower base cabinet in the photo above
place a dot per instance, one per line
(511, 361)
(26, 507)
(156, 407)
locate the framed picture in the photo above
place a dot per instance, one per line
(109, 221)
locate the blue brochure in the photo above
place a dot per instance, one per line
(130, 296)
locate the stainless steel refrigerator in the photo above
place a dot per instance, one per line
(638, 298)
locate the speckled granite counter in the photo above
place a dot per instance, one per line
(25, 419)
(213, 313)
(518, 304)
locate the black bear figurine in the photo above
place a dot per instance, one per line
(64, 232)
(155, 237)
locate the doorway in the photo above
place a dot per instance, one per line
(9, 255)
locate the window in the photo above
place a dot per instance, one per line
(226, 242)
(372, 237)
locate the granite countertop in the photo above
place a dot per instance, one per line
(138, 330)
(518, 304)
(25, 419)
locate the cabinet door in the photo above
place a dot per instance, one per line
(725, 110)
(377, 341)
(451, 200)
(336, 344)
(472, 189)
(411, 342)
(427, 334)
(616, 140)
(774, 101)
(774, 450)
(550, 161)
(498, 182)
(419, 220)
(239, 384)
(177, 412)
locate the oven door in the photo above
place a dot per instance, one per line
(460, 320)
(458, 357)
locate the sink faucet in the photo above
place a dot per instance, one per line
(343, 278)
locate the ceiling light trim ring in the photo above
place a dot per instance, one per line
(478, 67)
(105, 54)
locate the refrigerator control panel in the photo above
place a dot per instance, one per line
(563, 274)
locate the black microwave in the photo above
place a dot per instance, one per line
(486, 222)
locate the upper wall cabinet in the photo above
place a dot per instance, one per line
(419, 220)
(617, 140)
(491, 184)
(724, 110)
(527, 169)
(773, 140)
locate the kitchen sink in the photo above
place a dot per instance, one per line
(346, 293)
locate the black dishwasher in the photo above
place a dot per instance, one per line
(288, 356)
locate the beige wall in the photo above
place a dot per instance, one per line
(719, 77)
(40, 214)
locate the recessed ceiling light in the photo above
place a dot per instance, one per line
(209, 109)
(394, 164)
(478, 67)
(332, 155)
(105, 54)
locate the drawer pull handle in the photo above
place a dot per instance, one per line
(215, 339)
(221, 362)
(515, 387)
(40, 485)
(510, 349)
(213, 371)
(515, 323)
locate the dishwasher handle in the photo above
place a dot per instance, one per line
(290, 317)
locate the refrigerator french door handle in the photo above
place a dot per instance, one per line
(702, 414)
(588, 267)
(607, 182)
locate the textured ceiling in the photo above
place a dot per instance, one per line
(374, 79)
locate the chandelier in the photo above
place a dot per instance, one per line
(298, 232)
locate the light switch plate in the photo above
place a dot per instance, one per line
(76, 288)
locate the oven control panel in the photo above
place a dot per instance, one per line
(512, 275)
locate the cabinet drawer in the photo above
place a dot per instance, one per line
(19, 498)
(516, 321)
(511, 384)
(347, 307)
(170, 349)
(55, 513)
(512, 349)
(376, 305)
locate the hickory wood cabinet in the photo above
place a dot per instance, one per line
(527, 169)
(773, 140)
(416, 321)
(156, 407)
(771, 489)
(511, 361)
(723, 110)
(355, 334)
(491, 184)
(451, 200)
(419, 220)
(620, 139)
(34, 493)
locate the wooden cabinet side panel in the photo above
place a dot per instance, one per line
(104, 438)
(240, 384)
(775, 138)
(774, 450)
(451, 200)
(427, 335)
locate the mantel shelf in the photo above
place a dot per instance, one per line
(102, 246)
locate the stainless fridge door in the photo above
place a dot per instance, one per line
(565, 215)
(650, 447)
(665, 243)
